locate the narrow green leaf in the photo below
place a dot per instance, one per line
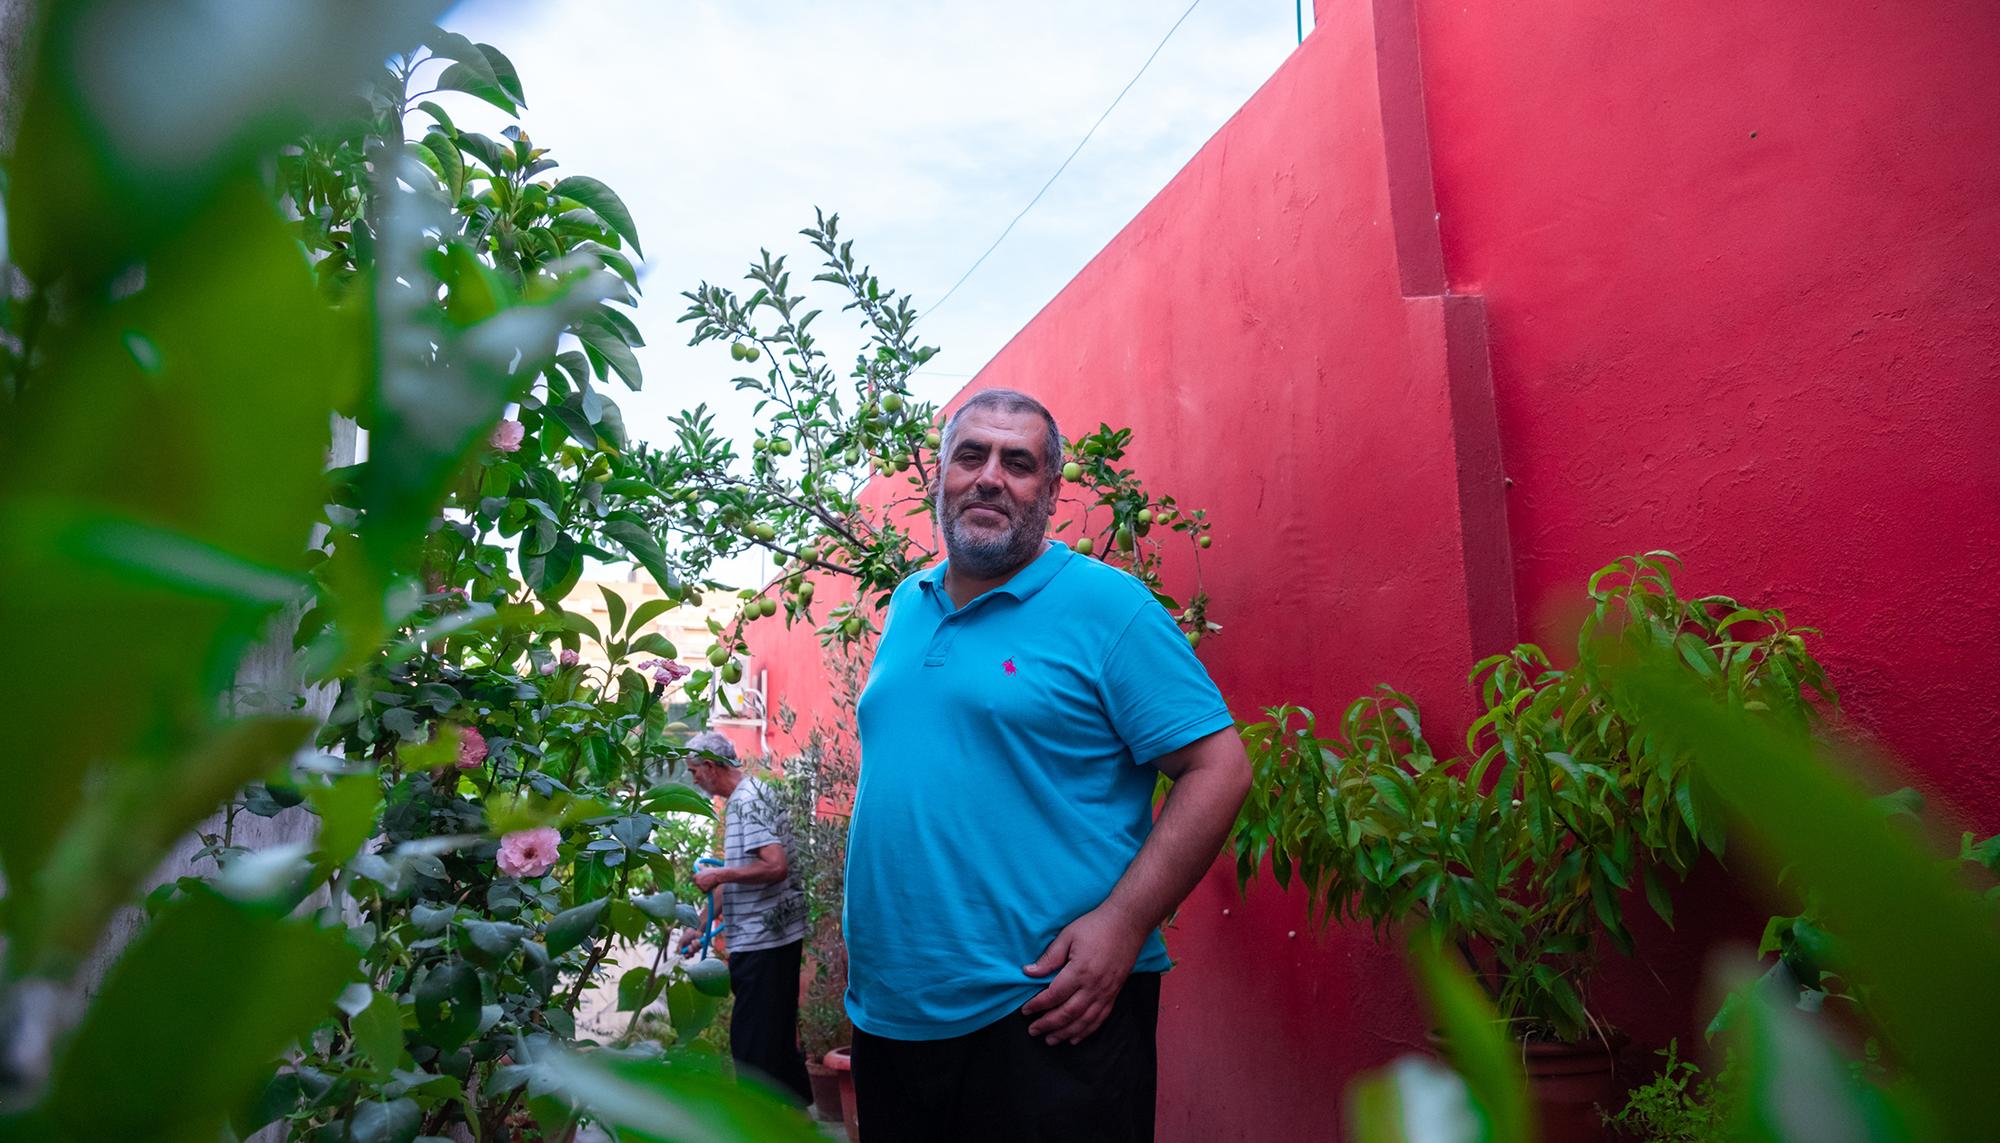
(647, 612)
(639, 542)
(1480, 1048)
(614, 610)
(1658, 897)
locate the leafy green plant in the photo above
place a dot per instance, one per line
(209, 257)
(1522, 852)
(817, 790)
(1678, 1105)
(1913, 931)
(1810, 961)
(804, 491)
(1918, 940)
(482, 828)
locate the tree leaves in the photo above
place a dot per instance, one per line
(572, 927)
(604, 202)
(1913, 935)
(378, 1032)
(479, 70)
(238, 981)
(630, 534)
(447, 1002)
(684, 1099)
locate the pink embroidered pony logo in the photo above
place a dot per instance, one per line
(1008, 667)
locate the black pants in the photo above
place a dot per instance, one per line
(1001, 1084)
(764, 1024)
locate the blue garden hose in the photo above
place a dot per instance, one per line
(713, 928)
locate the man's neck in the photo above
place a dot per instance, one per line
(727, 784)
(963, 588)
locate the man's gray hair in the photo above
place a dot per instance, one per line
(1009, 401)
(713, 742)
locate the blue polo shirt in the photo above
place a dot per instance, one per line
(1004, 786)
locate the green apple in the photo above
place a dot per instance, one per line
(718, 655)
(1072, 472)
(1084, 546)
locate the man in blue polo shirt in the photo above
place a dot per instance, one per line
(1006, 878)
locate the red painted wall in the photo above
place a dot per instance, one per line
(1739, 265)
(1473, 297)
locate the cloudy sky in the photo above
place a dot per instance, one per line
(925, 125)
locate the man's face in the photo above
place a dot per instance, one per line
(996, 497)
(704, 775)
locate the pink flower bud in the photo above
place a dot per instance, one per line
(507, 436)
(568, 658)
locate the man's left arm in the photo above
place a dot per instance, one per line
(1095, 952)
(766, 865)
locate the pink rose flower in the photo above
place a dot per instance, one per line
(471, 748)
(568, 658)
(549, 668)
(528, 852)
(507, 436)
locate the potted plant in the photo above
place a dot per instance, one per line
(817, 785)
(1520, 854)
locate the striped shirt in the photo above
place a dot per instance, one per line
(759, 916)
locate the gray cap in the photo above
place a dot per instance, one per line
(714, 742)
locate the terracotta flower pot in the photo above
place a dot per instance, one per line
(843, 1065)
(825, 1089)
(1573, 1085)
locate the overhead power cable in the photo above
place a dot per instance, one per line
(939, 304)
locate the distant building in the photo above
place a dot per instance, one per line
(687, 627)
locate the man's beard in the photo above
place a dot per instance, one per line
(991, 555)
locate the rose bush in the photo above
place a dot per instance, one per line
(492, 830)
